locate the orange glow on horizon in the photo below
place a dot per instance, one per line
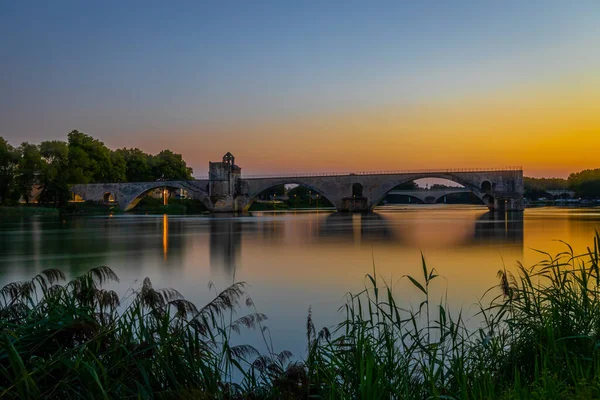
(550, 130)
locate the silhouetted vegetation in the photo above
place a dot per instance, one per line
(53, 165)
(289, 197)
(538, 187)
(412, 185)
(150, 205)
(538, 339)
(586, 184)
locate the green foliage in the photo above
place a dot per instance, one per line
(9, 158)
(90, 161)
(27, 211)
(28, 169)
(152, 205)
(277, 190)
(538, 339)
(138, 165)
(169, 166)
(54, 165)
(301, 192)
(55, 172)
(77, 340)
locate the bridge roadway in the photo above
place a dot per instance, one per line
(499, 189)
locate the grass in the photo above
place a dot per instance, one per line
(149, 205)
(27, 210)
(539, 339)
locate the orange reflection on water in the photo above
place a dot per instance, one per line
(165, 236)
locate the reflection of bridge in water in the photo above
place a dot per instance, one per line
(499, 228)
(226, 234)
(225, 243)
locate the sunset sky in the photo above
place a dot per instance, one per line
(308, 86)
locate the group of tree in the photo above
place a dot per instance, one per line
(53, 165)
(585, 184)
(538, 187)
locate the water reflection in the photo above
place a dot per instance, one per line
(79, 243)
(357, 228)
(225, 244)
(499, 227)
(165, 236)
(295, 260)
(227, 234)
(404, 228)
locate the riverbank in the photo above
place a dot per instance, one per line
(538, 340)
(27, 211)
(150, 206)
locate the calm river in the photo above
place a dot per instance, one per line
(293, 261)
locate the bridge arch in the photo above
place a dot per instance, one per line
(108, 198)
(379, 193)
(132, 197)
(258, 188)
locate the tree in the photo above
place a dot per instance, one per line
(538, 187)
(301, 192)
(118, 168)
(278, 190)
(90, 161)
(9, 158)
(55, 175)
(28, 169)
(586, 183)
(169, 166)
(407, 186)
(138, 165)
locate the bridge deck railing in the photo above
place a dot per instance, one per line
(391, 172)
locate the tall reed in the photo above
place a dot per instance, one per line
(538, 336)
(74, 340)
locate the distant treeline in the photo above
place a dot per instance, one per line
(585, 184)
(54, 165)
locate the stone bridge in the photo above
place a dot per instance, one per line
(226, 190)
(430, 196)
(127, 195)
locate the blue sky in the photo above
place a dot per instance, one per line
(127, 72)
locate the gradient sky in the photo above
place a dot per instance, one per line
(308, 86)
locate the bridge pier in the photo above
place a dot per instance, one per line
(504, 204)
(354, 204)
